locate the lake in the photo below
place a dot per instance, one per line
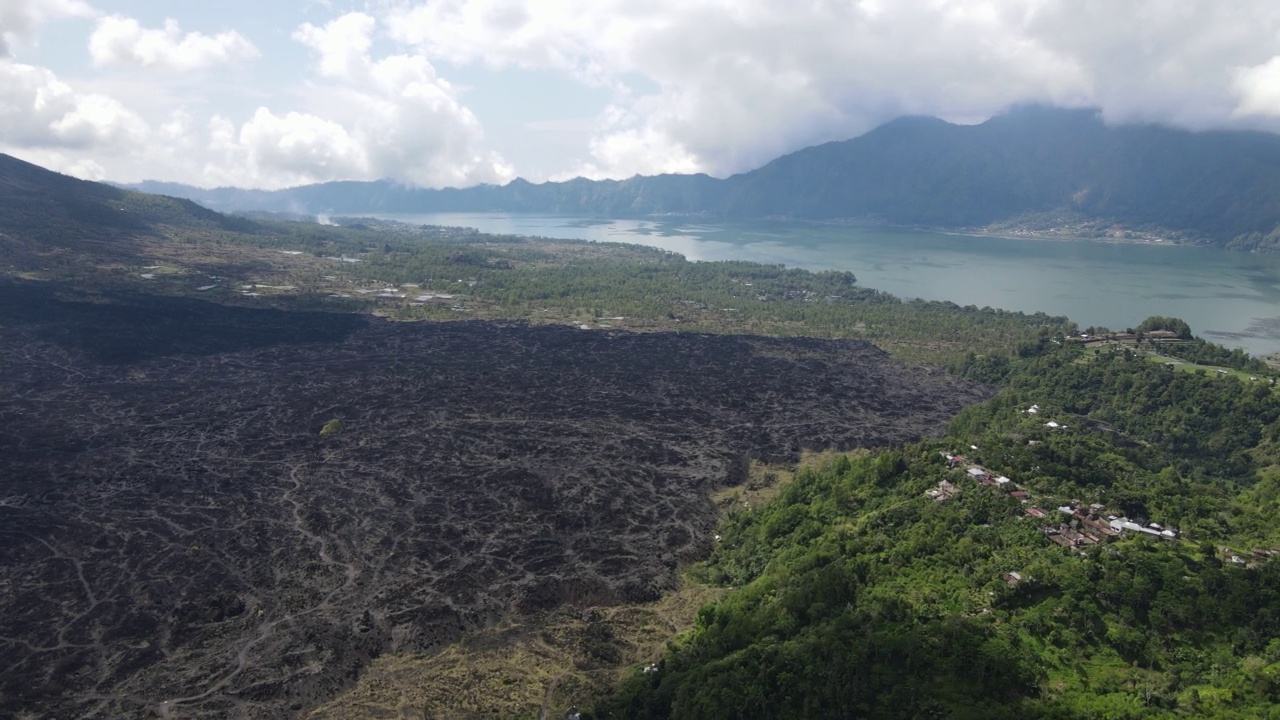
(1228, 297)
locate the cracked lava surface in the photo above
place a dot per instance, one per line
(177, 538)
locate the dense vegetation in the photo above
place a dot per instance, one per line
(1201, 352)
(1032, 168)
(860, 596)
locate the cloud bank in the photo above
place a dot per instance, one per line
(742, 82)
(717, 86)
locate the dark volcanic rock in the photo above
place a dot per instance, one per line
(177, 529)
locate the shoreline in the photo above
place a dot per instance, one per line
(981, 232)
(675, 219)
(1070, 238)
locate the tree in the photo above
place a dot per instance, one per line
(1171, 324)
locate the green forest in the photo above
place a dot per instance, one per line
(858, 592)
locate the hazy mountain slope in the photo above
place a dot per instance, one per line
(926, 171)
(1212, 186)
(45, 215)
(1219, 184)
(634, 196)
(923, 171)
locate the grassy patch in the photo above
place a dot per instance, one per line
(1177, 364)
(532, 666)
(764, 482)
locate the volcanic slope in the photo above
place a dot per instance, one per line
(236, 516)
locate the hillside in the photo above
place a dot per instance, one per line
(926, 171)
(53, 218)
(1008, 583)
(1031, 169)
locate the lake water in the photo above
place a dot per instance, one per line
(1228, 297)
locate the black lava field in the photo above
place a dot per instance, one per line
(179, 538)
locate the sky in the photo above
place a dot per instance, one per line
(277, 93)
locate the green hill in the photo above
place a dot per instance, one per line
(862, 592)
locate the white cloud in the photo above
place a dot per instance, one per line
(1155, 61)
(298, 147)
(122, 40)
(718, 86)
(19, 19)
(343, 44)
(85, 169)
(1258, 88)
(39, 110)
(740, 82)
(391, 117)
(49, 122)
(643, 149)
(69, 163)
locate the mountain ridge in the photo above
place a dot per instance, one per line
(1218, 187)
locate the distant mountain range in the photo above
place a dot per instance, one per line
(1038, 167)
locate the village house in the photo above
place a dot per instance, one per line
(945, 491)
(1124, 524)
(1068, 537)
(1089, 518)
